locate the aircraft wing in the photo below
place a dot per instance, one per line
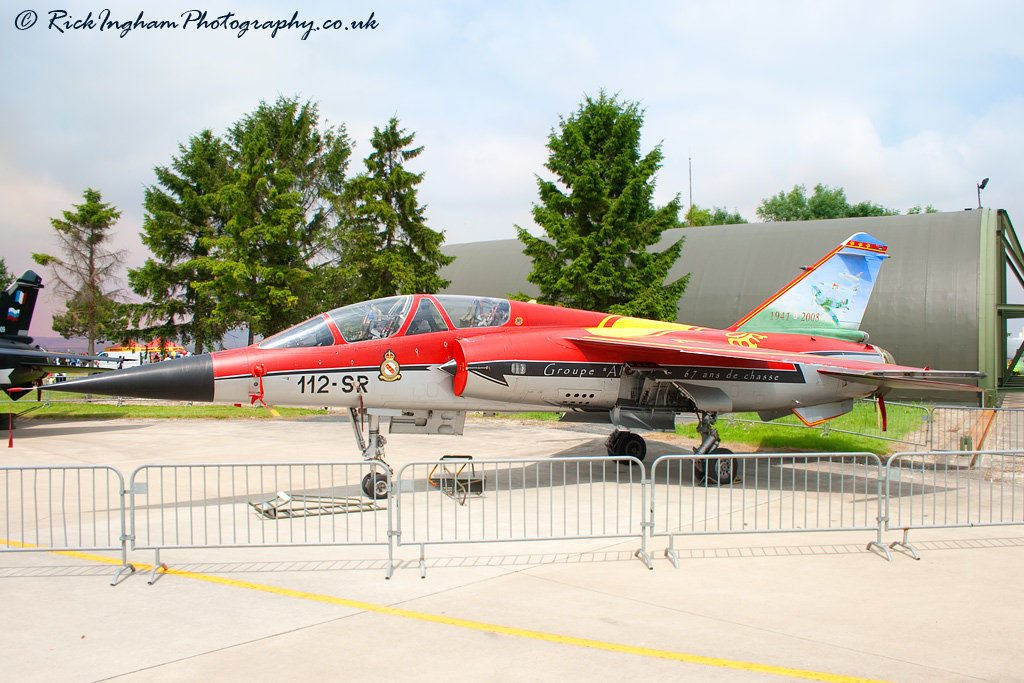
(699, 352)
(711, 353)
(39, 353)
(910, 379)
(72, 369)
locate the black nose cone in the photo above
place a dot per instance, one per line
(178, 379)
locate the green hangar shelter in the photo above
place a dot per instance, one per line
(942, 298)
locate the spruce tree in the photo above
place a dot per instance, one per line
(184, 217)
(239, 228)
(599, 219)
(385, 233)
(85, 274)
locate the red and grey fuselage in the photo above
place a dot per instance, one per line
(461, 353)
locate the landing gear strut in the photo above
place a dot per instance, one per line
(375, 484)
(709, 435)
(717, 470)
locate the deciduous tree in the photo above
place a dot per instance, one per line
(717, 215)
(824, 203)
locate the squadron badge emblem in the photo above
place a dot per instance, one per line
(390, 370)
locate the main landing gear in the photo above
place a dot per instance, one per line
(374, 484)
(626, 444)
(719, 469)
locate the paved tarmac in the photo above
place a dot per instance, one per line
(740, 608)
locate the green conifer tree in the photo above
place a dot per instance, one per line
(184, 216)
(599, 219)
(85, 274)
(385, 234)
(277, 205)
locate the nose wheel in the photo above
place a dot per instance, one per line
(375, 484)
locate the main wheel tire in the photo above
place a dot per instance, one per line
(612, 444)
(721, 470)
(631, 445)
(375, 486)
(700, 470)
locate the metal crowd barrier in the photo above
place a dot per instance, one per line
(480, 501)
(953, 489)
(461, 501)
(74, 508)
(907, 423)
(965, 428)
(256, 505)
(768, 493)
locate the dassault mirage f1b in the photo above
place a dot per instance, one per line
(422, 361)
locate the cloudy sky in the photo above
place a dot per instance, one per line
(900, 103)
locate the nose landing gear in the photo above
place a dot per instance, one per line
(375, 484)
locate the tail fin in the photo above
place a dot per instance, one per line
(827, 299)
(17, 304)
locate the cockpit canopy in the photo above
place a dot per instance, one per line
(383, 318)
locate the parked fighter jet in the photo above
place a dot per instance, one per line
(422, 361)
(22, 365)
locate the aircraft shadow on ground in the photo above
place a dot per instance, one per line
(34, 429)
(587, 464)
(787, 472)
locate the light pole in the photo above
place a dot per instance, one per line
(981, 186)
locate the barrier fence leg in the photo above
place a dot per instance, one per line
(882, 517)
(157, 565)
(391, 555)
(642, 552)
(645, 526)
(880, 544)
(905, 543)
(125, 565)
(670, 551)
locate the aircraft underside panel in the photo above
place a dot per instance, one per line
(451, 422)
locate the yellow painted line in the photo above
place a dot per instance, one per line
(485, 627)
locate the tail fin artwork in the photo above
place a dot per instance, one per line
(828, 299)
(17, 304)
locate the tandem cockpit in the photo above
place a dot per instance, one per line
(405, 315)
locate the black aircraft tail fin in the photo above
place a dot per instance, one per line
(17, 304)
